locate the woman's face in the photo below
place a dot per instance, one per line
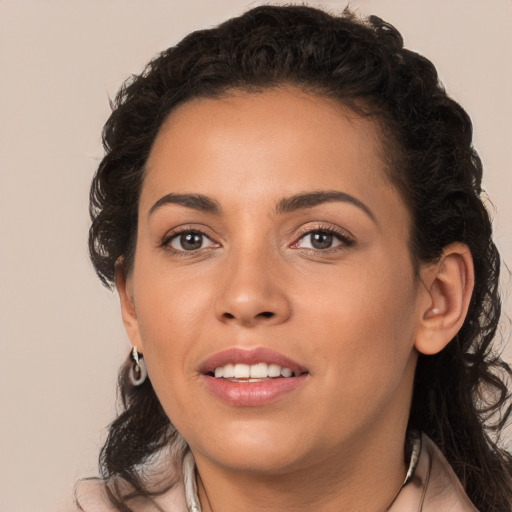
(270, 238)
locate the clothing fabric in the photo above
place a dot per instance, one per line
(430, 486)
(434, 487)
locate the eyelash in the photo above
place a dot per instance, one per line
(166, 242)
(345, 239)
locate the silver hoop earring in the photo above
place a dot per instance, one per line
(137, 373)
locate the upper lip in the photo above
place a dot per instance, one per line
(236, 355)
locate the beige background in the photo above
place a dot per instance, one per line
(60, 333)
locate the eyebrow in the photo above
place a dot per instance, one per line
(194, 201)
(311, 199)
(290, 204)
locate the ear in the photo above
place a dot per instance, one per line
(124, 286)
(448, 287)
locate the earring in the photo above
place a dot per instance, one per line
(137, 373)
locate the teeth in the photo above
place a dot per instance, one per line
(286, 372)
(228, 371)
(242, 371)
(259, 371)
(274, 370)
(251, 373)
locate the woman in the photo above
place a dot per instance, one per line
(289, 207)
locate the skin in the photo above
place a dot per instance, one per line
(355, 314)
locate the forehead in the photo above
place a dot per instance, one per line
(273, 143)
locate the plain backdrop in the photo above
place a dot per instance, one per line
(60, 332)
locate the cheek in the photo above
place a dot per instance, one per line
(171, 315)
(168, 334)
(171, 302)
(365, 322)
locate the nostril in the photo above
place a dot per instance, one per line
(264, 314)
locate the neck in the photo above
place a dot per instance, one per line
(363, 476)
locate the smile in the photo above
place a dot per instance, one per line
(248, 378)
(252, 373)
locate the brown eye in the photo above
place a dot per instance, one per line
(190, 241)
(323, 239)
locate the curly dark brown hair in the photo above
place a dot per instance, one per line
(460, 398)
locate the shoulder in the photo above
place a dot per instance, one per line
(92, 496)
(444, 488)
(172, 466)
(434, 486)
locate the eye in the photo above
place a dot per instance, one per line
(322, 239)
(189, 241)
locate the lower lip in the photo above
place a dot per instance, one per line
(252, 394)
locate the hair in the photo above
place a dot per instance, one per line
(460, 396)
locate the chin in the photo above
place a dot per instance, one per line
(256, 450)
(257, 461)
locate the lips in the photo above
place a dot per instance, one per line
(255, 377)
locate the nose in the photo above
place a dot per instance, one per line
(252, 293)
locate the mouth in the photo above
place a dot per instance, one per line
(253, 377)
(246, 364)
(258, 372)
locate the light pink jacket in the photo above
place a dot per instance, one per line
(432, 488)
